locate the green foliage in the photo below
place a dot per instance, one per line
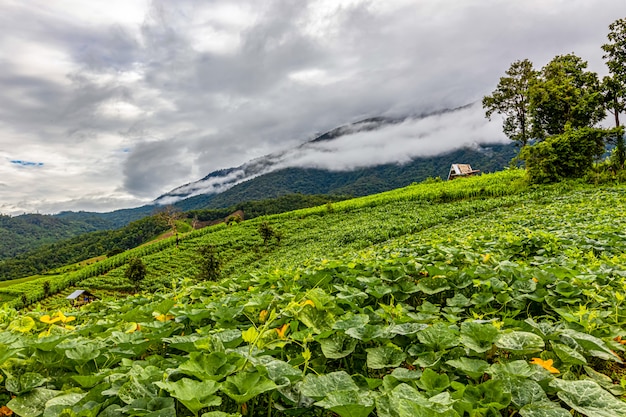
(466, 300)
(511, 99)
(565, 94)
(136, 271)
(568, 155)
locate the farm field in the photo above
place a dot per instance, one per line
(478, 297)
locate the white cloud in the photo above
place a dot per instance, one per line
(189, 87)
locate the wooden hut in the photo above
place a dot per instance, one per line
(81, 297)
(461, 170)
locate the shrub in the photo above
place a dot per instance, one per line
(135, 272)
(210, 264)
(568, 155)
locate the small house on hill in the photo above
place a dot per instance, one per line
(81, 297)
(461, 170)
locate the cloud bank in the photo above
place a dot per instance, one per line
(122, 101)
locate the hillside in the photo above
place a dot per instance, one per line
(46, 258)
(21, 233)
(26, 233)
(480, 296)
(357, 182)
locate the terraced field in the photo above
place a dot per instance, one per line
(479, 297)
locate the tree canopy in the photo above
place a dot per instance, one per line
(615, 56)
(565, 94)
(554, 113)
(511, 99)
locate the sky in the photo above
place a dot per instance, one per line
(109, 104)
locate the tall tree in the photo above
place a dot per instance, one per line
(511, 99)
(565, 94)
(615, 56)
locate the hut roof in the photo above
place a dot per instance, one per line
(78, 293)
(460, 170)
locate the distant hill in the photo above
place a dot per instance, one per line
(21, 233)
(359, 182)
(266, 177)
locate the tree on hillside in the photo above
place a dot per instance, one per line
(565, 94)
(615, 56)
(266, 231)
(170, 215)
(510, 99)
(135, 272)
(209, 264)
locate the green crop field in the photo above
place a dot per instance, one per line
(477, 297)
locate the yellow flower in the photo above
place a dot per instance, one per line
(163, 317)
(49, 320)
(547, 365)
(282, 330)
(58, 316)
(263, 316)
(308, 303)
(535, 279)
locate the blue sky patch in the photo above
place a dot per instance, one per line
(26, 163)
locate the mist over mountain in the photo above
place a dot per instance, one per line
(360, 158)
(364, 144)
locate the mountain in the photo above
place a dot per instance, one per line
(297, 170)
(308, 168)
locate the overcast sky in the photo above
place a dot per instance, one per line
(108, 104)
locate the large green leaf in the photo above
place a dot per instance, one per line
(594, 346)
(432, 382)
(520, 342)
(568, 355)
(407, 328)
(317, 387)
(278, 371)
(24, 383)
(488, 396)
(588, 398)
(195, 395)
(33, 403)
(524, 391)
(385, 357)
(543, 409)
(474, 368)
(405, 401)
(351, 321)
(439, 336)
(316, 320)
(369, 332)
(246, 385)
(513, 369)
(433, 285)
(478, 336)
(83, 353)
(184, 343)
(338, 345)
(150, 407)
(214, 365)
(348, 403)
